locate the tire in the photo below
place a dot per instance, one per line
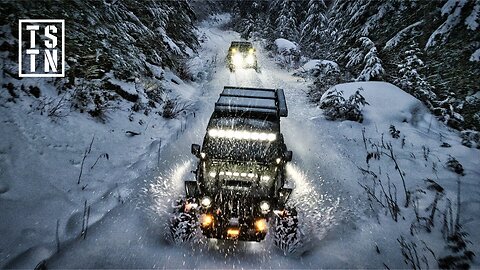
(286, 233)
(183, 224)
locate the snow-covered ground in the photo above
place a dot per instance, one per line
(130, 193)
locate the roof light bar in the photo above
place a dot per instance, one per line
(242, 135)
(236, 174)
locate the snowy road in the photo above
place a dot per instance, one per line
(133, 234)
(337, 230)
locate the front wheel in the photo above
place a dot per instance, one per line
(286, 233)
(183, 223)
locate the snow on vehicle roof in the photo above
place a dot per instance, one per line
(247, 102)
(238, 43)
(255, 100)
(259, 93)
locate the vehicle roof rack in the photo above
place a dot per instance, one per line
(255, 100)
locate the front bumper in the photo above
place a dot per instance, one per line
(242, 230)
(244, 61)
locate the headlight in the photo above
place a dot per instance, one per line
(261, 225)
(250, 60)
(265, 178)
(264, 207)
(250, 51)
(206, 220)
(278, 160)
(206, 202)
(237, 59)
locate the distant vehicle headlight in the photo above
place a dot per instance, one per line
(237, 59)
(264, 207)
(250, 60)
(206, 201)
(265, 178)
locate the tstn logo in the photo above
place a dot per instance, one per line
(41, 48)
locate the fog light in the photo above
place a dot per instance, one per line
(261, 225)
(265, 207)
(206, 202)
(233, 232)
(206, 220)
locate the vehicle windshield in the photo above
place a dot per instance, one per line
(241, 150)
(261, 124)
(242, 139)
(243, 47)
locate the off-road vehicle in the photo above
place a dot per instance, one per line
(240, 187)
(241, 54)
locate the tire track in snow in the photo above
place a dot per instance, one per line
(322, 200)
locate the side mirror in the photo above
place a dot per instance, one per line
(191, 188)
(288, 156)
(284, 194)
(196, 150)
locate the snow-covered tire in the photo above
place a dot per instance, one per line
(286, 235)
(183, 225)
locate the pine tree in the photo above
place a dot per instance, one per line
(313, 29)
(286, 21)
(248, 27)
(235, 11)
(410, 79)
(367, 55)
(373, 69)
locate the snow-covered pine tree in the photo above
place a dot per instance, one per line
(410, 78)
(328, 76)
(373, 69)
(453, 10)
(248, 27)
(354, 106)
(314, 28)
(287, 22)
(235, 11)
(367, 54)
(180, 25)
(335, 107)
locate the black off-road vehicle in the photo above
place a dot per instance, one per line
(242, 54)
(240, 183)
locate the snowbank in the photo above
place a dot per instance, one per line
(388, 103)
(287, 53)
(284, 45)
(315, 64)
